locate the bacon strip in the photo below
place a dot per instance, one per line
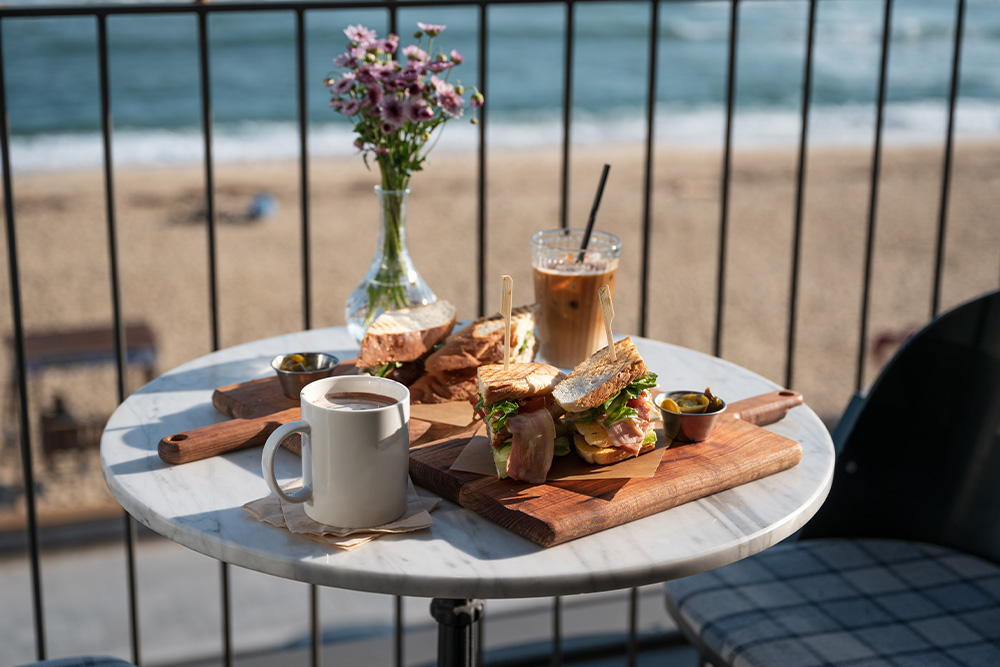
(532, 447)
(629, 433)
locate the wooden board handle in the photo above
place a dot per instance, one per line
(227, 436)
(766, 408)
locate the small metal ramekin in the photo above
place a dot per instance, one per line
(687, 426)
(292, 382)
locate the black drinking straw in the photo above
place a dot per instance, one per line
(593, 212)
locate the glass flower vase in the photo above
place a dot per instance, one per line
(392, 281)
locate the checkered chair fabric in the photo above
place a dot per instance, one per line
(857, 602)
(82, 661)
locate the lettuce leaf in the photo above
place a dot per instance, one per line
(616, 408)
(497, 413)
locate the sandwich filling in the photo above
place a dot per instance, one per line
(624, 421)
(523, 437)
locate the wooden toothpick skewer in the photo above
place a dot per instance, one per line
(609, 314)
(506, 299)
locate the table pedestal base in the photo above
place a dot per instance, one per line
(458, 636)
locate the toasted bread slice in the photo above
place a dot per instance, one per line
(406, 334)
(599, 378)
(481, 342)
(521, 381)
(605, 455)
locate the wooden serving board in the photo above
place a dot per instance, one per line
(739, 451)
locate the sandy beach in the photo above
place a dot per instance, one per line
(163, 243)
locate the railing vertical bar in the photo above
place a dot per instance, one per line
(647, 196)
(726, 169)
(24, 422)
(873, 200)
(793, 299)
(119, 326)
(206, 113)
(948, 150)
(303, 102)
(482, 114)
(567, 114)
(206, 119)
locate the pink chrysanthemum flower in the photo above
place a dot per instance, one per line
(417, 110)
(350, 107)
(393, 111)
(359, 143)
(375, 94)
(441, 86)
(438, 65)
(431, 29)
(388, 45)
(351, 59)
(457, 57)
(452, 104)
(360, 34)
(415, 53)
(412, 72)
(343, 84)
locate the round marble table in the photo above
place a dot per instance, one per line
(463, 555)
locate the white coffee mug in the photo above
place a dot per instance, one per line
(355, 459)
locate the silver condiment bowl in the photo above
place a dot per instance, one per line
(292, 382)
(687, 426)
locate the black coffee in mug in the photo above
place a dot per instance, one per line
(353, 400)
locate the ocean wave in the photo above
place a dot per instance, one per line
(842, 126)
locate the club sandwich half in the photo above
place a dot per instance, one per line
(520, 414)
(609, 405)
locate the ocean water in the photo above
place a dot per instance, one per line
(54, 106)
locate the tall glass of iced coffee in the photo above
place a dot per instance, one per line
(570, 322)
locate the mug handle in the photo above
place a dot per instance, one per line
(267, 461)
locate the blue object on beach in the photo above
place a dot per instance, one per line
(263, 205)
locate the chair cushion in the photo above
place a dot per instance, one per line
(855, 602)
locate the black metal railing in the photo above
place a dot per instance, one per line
(301, 11)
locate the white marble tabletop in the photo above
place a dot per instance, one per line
(463, 555)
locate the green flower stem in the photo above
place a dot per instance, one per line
(388, 289)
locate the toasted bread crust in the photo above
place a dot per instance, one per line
(393, 336)
(599, 378)
(604, 455)
(519, 382)
(481, 342)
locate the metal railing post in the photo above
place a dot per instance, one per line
(873, 196)
(956, 60)
(793, 298)
(24, 422)
(727, 159)
(119, 324)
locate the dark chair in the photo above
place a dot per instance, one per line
(901, 565)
